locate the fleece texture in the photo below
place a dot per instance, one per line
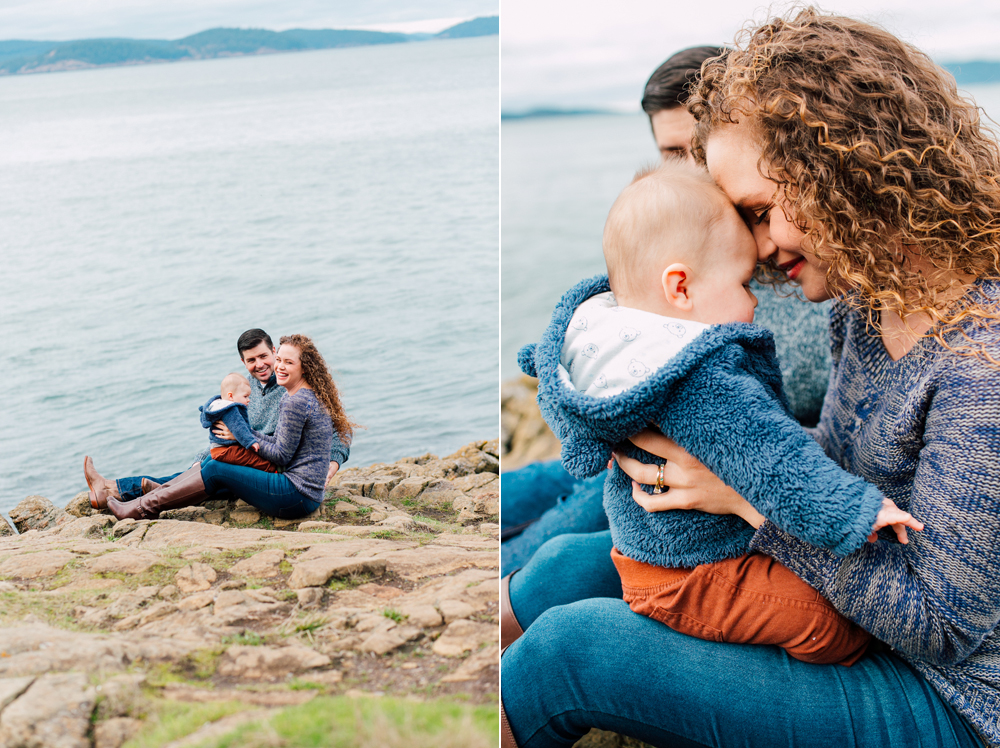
(234, 415)
(721, 399)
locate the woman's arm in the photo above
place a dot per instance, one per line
(293, 413)
(934, 599)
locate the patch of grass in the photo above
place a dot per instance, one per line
(340, 722)
(386, 535)
(349, 582)
(247, 638)
(394, 614)
(265, 522)
(305, 685)
(364, 510)
(410, 502)
(201, 664)
(172, 720)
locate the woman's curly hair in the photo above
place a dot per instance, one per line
(876, 153)
(318, 377)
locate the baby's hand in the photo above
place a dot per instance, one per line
(256, 448)
(890, 514)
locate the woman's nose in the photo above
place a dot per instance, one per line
(765, 246)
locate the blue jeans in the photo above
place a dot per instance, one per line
(131, 488)
(560, 503)
(592, 662)
(271, 493)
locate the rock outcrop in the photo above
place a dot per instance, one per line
(391, 586)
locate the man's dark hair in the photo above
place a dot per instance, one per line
(669, 85)
(251, 339)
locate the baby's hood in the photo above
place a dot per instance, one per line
(589, 427)
(608, 349)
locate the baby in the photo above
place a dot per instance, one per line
(663, 340)
(230, 407)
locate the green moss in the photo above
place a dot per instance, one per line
(394, 614)
(340, 722)
(172, 720)
(247, 638)
(386, 535)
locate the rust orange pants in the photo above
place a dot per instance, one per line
(747, 600)
(237, 455)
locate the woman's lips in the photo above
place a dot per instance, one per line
(793, 268)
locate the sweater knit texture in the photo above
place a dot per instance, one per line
(926, 431)
(263, 413)
(234, 415)
(720, 398)
(301, 442)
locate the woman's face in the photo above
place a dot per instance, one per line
(288, 367)
(732, 158)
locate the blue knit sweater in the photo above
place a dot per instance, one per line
(926, 431)
(301, 442)
(720, 398)
(265, 401)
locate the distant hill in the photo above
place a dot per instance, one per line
(485, 26)
(24, 56)
(976, 71)
(548, 112)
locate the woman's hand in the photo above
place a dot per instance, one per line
(331, 472)
(691, 485)
(222, 431)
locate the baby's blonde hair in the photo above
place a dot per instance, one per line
(232, 382)
(668, 209)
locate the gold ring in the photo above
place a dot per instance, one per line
(658, 488)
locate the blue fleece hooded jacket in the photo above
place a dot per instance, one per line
(721, 399)
(234, 415)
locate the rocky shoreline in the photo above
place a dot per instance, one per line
(391, 587)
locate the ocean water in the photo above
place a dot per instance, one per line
(151, 214)
(560, 177)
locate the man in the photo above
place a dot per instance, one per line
(257, 352)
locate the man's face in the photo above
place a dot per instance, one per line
(259, 362)
(672, 131)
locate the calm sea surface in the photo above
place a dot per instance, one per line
(151, 214)
(560, 177)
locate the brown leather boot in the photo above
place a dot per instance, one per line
(149, 486)
(186, 489)
(100, 487)
(510, 629)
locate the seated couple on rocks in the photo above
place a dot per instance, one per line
(287, 417)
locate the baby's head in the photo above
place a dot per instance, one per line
(676, 246)
(235, 388)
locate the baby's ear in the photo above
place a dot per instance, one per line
(584, 457)
(676, 281)
(526, 360)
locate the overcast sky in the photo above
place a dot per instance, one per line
(580, 53)
(172, 19)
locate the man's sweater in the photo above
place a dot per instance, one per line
(720, 398)
(301, 442)
(926, 431)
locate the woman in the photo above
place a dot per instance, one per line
(863, 176)
(310, 417)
